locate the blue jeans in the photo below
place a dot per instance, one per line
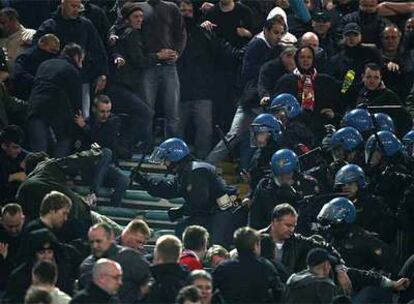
(198, 114)
(140, 115)
(40, 133)
(239, 136)
(161, 83)
(106, 173)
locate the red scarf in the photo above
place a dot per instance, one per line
(306, 88)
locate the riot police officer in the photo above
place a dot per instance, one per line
(360, 248)
(373, 214)
(297, 134)
(387, 168)
(286, 185)
(384, 122)
(359, 119)
(265, 135)
(208, 200)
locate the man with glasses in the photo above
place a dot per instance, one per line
(106, 281)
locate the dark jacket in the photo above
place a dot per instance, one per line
(371, 25)
(363, 250)
(258, 52)
(134, 266)
(80, 31)
(130, 46)
(25, 68)
(12, 109)
(66, 258)
(30, 17)
(9, 166)
(51, 175)
(268, 195)
(57, 91)
(407, 271)
(295, 249)
(98, 18)
(168, 280)
(197, 182)
(195, 65)
(355, 59)
(305, 287)
(163, 27)
(94, 294)
(105, 134)
(10, 262)
(269, 75)
(248, 279)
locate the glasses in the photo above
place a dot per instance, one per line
(115, 277)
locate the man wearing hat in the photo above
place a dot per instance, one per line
(354, 55)
(313, 285)
(11, 161)
(321, 25)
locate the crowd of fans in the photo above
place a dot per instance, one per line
(314, 100)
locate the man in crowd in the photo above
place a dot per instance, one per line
(169, 276)
(12, 222)
(44, 275)
(55, 98)
(26, 64)
(195, 241)
(135, 267)
(69, 27)
(18, 38)
(106, 281)
(135, 235)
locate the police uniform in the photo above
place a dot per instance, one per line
(268, 195)
(363, 250)
(207, 199)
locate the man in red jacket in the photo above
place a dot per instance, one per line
(195, 239)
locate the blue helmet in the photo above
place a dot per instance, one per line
(350, 173)
(390, 144)
(288, 103)
(172, 149)
(265, 123)
(284, 161)
(347, 138)
(408, 141)
(359, 119)
(384, 122)
(338, 210)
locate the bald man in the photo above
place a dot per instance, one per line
(26, 65)
(106, 281)
(311, 39)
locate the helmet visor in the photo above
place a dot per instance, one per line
(158, 156)
(259, 136)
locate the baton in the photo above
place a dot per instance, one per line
(225, 140)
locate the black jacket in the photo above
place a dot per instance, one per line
(268, 195)
(10, 262)
(9, 166)
(407, 271)
(296, 248)
(305, 287)
(248, 279)
(80, 31)
(371, 25)
(168, 280)
(25, 68)
(355, 59)
(130, 46)
(197, 182)
(134, 266)
(363, 250)
(94, 294)
(269, 75)
(57, 91)
(98, 17)
(195, 65)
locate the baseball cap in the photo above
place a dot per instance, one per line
(321, 16)
(352, 28)
(317, 256)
